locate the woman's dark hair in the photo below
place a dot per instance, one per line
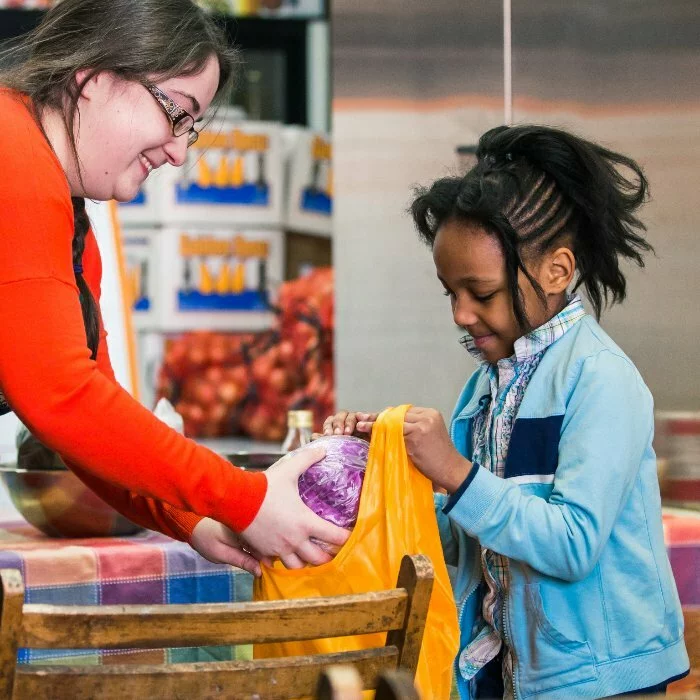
(138, 40)
(534, 186)
(91, 314)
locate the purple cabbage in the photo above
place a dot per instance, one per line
(332, 487)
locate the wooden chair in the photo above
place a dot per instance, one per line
(344, 683)
(401, 612)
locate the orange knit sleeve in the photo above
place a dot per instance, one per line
(46, 372)
(147, 512)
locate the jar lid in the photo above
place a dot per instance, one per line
(300, 419)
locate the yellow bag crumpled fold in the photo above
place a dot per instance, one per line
(396, 517)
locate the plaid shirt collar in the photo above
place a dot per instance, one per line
(541, 338)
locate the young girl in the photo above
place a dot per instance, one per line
(553, 520)
(105, 91)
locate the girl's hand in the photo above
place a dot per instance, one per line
(431, 450)
(220, 545)
(284, 527)
(350, 423)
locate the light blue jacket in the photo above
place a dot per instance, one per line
(592, 608)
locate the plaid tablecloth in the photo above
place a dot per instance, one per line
(151, 568)
(682, 535)
(144, 569)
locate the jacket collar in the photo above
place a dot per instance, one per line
(479, 395)
(541, 337)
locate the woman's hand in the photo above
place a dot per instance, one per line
(220, 545)
(284, 526)
(431, 450)
(350, 423)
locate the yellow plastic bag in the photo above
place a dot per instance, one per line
(396, 517)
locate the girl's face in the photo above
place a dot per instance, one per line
(471, 267)
(123, 133)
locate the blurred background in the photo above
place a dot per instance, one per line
(412, 82)
(278, 270)
(277, 277)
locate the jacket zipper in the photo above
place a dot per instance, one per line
(497, 412)
(475, 585)
(506, 636)
(460, 614)
(459, 625)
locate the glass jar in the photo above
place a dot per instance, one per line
(299, 430)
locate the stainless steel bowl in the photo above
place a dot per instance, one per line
(56, 502)
(60, 505)
(254, 461)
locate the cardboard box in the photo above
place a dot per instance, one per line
(310, 191)
(144, 209)
(141, 275)
(217, 278)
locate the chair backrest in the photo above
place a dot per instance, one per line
(401, 612)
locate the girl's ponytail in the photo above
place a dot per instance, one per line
(534, 186)
(598, 199)
(87, 301)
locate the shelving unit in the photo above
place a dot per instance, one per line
(302, 44)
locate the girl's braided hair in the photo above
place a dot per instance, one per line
(536, 186)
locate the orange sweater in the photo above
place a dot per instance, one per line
(144, 469)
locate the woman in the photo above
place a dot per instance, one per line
(105, 92)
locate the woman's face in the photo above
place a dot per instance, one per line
(123, 133)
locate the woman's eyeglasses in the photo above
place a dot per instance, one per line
(181, 120)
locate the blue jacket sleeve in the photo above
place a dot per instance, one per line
(450, 543)
(607, 427)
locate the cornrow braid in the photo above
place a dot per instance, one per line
(544, 211)
(533, 186)
(88, 306)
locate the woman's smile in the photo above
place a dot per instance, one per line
(146, 164)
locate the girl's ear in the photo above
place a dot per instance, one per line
(560, 267)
